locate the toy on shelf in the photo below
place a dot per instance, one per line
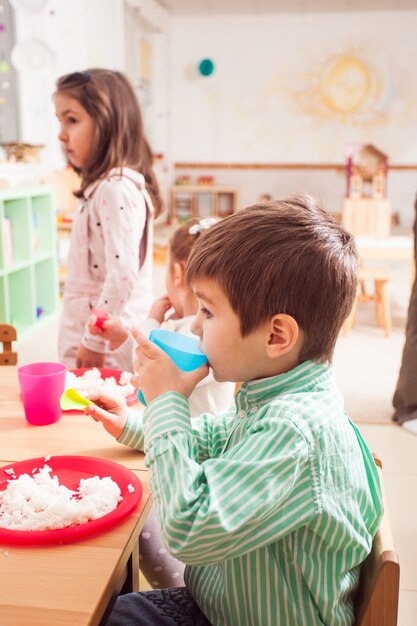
(18, 152)
(366, 211)
(366, 172)
(205, 180)
(183, 180)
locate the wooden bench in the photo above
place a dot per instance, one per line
(380, 296)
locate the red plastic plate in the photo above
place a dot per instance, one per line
(105, 373)
(70, 470)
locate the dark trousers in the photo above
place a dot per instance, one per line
(405, 396)
(160, 607)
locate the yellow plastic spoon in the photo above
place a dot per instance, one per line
(71, 400)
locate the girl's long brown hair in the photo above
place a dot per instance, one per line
(119, 138)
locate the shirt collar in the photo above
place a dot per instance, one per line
(300, 379)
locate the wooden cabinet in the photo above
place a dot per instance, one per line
(28, 273)
(202, 201)
(367, 217)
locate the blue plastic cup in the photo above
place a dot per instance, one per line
(183, 350)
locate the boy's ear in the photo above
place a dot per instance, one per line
(178, 274)
(284, 333)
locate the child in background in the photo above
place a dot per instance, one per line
(274, 503)
(209, 395)
(158, 566)
(110, 255)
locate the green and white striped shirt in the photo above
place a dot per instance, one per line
(273, 504)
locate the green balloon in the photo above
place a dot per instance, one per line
(206, 67)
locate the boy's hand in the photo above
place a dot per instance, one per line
(88, 358)
(110, 410)
(159, 308)
(112, 330)
(157, 372)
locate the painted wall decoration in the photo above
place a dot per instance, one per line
(295, 88)
(347, 86)
(32, 54)
(206, 67)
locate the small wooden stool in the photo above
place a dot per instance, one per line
(380, 296)
(7, 335)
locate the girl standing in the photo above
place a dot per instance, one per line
(110, 256)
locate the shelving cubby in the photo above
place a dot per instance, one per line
(202, 201)
(28, 267)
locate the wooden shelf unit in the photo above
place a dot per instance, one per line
(28, 271)
(188, 201)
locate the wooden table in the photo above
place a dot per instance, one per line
(71, 584)
(395, 248)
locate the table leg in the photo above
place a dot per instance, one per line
(132, 575)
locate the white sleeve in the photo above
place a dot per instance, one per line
(122, 216)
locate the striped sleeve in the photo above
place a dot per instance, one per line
(132, 434)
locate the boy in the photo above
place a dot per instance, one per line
(273, 504)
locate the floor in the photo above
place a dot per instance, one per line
(396, 447)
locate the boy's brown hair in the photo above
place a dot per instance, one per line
(119, 139)
(284, 256)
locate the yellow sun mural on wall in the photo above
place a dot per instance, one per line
(347, 87)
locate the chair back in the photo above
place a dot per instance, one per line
(379, 583)
(7, 335)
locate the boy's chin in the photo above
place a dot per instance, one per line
(220, 377)
(217, 377)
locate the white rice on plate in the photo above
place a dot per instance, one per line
(39, 502)
(92, 382)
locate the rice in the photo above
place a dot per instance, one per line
(39, 502)
(92, 382)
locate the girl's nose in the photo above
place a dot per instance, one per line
(62, 136)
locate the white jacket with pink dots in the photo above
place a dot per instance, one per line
(109, 261)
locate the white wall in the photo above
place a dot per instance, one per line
(80, 34)
(264, 102)
(261, 105)
(92, 33)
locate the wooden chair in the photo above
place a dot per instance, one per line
(379, 584)
(380, 296)
(7, 335)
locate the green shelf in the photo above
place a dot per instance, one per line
(28, 265)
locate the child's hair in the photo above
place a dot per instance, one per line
(184, 237)
(286, 256)
(119, 138)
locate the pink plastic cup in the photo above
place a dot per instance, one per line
(41, 386)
